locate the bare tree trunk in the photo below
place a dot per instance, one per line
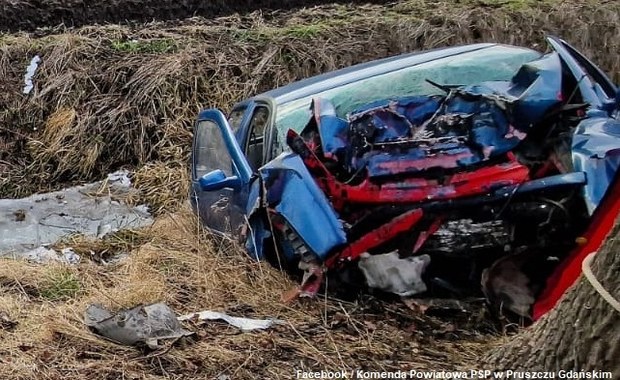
(581, 333)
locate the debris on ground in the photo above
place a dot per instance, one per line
(43, 255)
(95, 210)
(30, 71)
(139, 325)
(390, 273)
(245, 324)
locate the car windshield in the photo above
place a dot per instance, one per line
(494, 63)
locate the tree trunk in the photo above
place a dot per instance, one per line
(582, 333)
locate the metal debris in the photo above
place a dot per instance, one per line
(120, 177)
(41, 220)
(138, 325)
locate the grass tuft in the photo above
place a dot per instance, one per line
(60, 284)
(157, 46)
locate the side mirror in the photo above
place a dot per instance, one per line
(216, 180)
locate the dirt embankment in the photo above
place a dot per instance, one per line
(119, 96)
(33, 14)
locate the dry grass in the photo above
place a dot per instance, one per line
(118, 96)
(175, 262)
(110, 97)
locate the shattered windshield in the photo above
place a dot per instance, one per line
(495, 63)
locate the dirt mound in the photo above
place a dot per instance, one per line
(33, 14)
(120, 96)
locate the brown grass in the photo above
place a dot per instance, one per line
(102, 101)
(116, 96)
(177, 263)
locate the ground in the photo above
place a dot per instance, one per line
(124, 96)
(177, 263)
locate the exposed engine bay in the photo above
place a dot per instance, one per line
(388, 177)
(474, 190)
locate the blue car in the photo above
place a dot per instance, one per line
(451, 172)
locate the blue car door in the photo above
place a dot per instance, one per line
(220, 174)
(595, 86)
(596, 140)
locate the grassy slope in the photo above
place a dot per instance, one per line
(102, 101)
(176, 263)
(114, 96)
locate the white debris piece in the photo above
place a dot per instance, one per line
(30, 70)
(103, 229)
(43, 219)
(245, 324)
(120, 178)
(70, 257)
(390, 273)
(43, 255)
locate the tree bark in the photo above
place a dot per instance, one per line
(582, 333)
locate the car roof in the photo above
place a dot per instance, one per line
(309, 86)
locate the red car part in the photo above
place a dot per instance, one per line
(410, 190)
(376, 237)
(566, 274)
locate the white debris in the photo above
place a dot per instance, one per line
(144, 209)
(43, 219)
(120, 178)
(43, 255)
(245, 324)
(70, 257)
(390, 273)
(103, 229)
(30, 70)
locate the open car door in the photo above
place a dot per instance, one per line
(220, 173)
(596, 140)
(595, 86)
(595, 151)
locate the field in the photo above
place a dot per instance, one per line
(117, 96)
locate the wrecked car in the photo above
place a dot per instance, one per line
(462, 171)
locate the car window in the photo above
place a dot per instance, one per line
(258, 124)
(210, 151)
(495, 63)
(236, 117)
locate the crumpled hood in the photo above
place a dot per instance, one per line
(468, 125)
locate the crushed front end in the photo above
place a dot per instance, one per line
(467, 193)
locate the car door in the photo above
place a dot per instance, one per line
(221, 174)
(595, 86)
(595, 143)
